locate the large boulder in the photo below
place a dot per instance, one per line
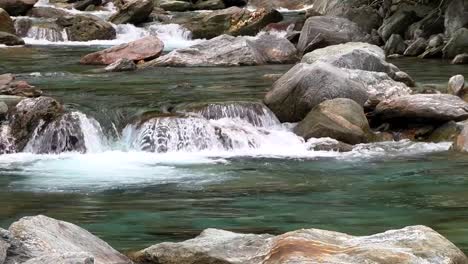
(395, 45)
(134, 12)
(413, 244)
(6, 23)
(322, 31)
(147, 48)
(17, 7)
(226, 50)
(456, 16)
(341, 119)
(398, 23)
(49, 240)
(307, 85)
(422, 108)
(457, 44)
(86, 28)
(10, 39)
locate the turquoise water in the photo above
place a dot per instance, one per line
(135, 199)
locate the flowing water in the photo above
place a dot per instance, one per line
(144, 179)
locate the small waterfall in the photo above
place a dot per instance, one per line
(7, 142)
(51, 34)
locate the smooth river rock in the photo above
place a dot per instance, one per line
(133, 12)
(147, 48)
(456, 85)
(413, 244)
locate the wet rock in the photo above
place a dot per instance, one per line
(121, 65)
(398, 23)
(430, 53)
(49, 238)
(446, 132)
(416, 48)
(10, 86)
(289, 4)
(133, 12)
(47, 12)
(208, 4)
(147, 48)
(395, 45)
(456, 85)
(460, 140)
(457, 44)
(460, 59)
(175, 5)
(341, 119)
(230, 51)
(331, 30)
(10, 39)
(456, 16)
(412, 244)
(404, 78)
(430, 25)
(17, 7)
(85, 4)
(6, 23)
(86, 28)
(423, 108)
(305, 86)
(328, 145)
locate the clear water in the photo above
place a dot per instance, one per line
(134, 199)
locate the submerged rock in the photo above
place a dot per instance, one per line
(121, 65)
(17, 7)
(133, 12)
(10, 39)
(324, 144)
(147, 48)
(413, 244)
(230, 51)
(86, 28)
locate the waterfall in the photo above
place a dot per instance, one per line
(7, 142)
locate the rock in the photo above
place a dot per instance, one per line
(404, 78)
(422, 108)
(6, 24)
(46, 237)
(175, 5)
(328, 144)
(430, 25)
(413, 244)
(460, 139)
(331, 30)
(456, 16)
(66, 258)
(11, 100)
(9, 86)
(86, 28)
(121, 65)
(17, 7)
(305, 86)
(436, 41)
(456, 85)
(272, 76)
(47, 12)
(230, 51)
(416, 48)
(84, 4)
(3, 110)
(457, 44)
(341, 119)
(460, 59)
(31, 112)
(432, 53)
(446, 133)
(147, 48)
(288, 4)
(395, 45)
(10, 39)
(365, 17)
(396, 24)
(133, 12)
(208, 4)
(16, 252)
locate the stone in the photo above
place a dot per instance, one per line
(133, 12)
(395, 45)
(341, 119)
(456, 85)
(457, 44)
(456, 16)
(413, 244)
(45, 237)
(328, 144)
(404, 78)
(305, 86)
(460, 59)
(430, 53)
(288, 4)
(85, 4)
(121, 65)
(66, 258)
(460, 139)
(332, 30)
(208, 5)
(422, 108)
(175, 5)
(47, 12)
(147, 48)
(227, 50)
(6, 23)
(10, 39)
(430, 25)
(10, 86)
(446, 132)
(397, 23)
(416, 48)
(15, 250)
(17, 7)
(86, 28)
(436, 41)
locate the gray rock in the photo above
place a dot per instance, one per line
(85, 4)
(430, 53)
(86, 28)
(328, 145)
(404, 78)
(121, 65)
(341, 119)
(457, 44)
(456, 85)
(10, 39)
(460, 137)
(436, 41)
(6, 23)
(460, 59)
(416, 48)
(3, 250)
(134, 12)
(17, 7)
(430, 25)
(208, 5)
(66, 258)
(431, 108)
(15, 252)
(3, 110)
(456, 16)
(332, 30)
(230, 51)
(446, 132)
(175, 5)
(47, 12)
(45, 236)
(395, 45)
(398, 23)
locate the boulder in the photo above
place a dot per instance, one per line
(147, 48)
(460, 59)
(17, 7)
(6, 23)
(10, 39)
(328, 144)
(208, 5)
(84, 4)
(86, 28)
(430, 25)
(50, 239)
(305, 86)
(328, 30)
(227, 50)
(121, 65)
(456, 16)
(413, 244)
(397, 23)
(341, 119)
(48, 12)
(416, 48)
(395, 45)
(457, 44)
(436, 41)
(10, 86)
(422, 108)
(460, 138)
(446, 132)
(175, 5)
(65, 258)
(404, 78)
(133, 12)
(456, 85)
